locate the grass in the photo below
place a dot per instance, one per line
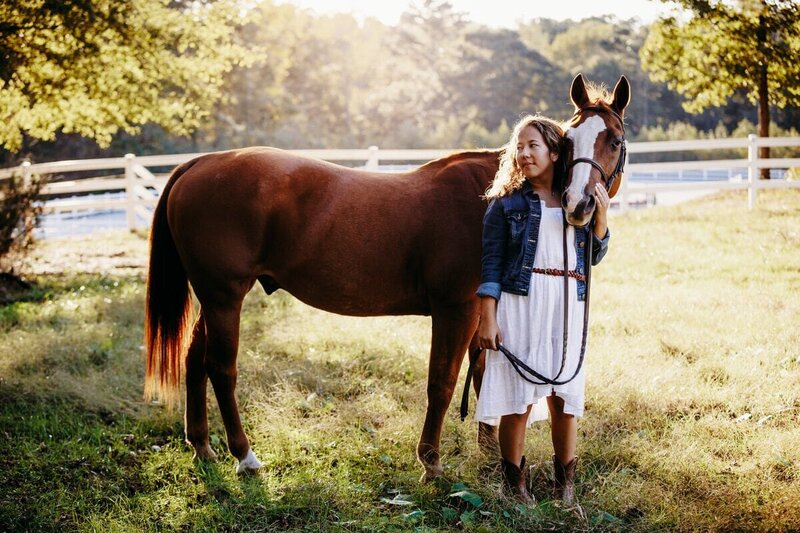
(691, 418)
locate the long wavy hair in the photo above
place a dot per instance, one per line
(509, 176)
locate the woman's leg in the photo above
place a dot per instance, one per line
(512, 445)
(564, 430)
(512, 436)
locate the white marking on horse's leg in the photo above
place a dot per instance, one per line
(583, 139)
(249, 464)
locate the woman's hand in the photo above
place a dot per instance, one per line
(489, 334)
(602, 201)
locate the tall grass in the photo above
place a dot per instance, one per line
(691, 420)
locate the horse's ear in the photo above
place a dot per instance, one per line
(622, 95)
(615, 186)
(577, 92)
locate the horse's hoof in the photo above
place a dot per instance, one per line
(204, 453)
(431, 473)
(249, 465)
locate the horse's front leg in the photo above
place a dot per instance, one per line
(222, 333)
(196, 385)
(453, 328)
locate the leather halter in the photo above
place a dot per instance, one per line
(608, 180)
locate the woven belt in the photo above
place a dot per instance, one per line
(558, 272)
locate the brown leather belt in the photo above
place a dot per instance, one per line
(560, 273)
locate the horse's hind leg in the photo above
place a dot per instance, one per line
(453, 328)
(196, 386)
(487, 435)
(222, 334)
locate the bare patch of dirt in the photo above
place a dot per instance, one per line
(111, 253)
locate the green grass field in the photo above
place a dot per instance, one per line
(692, 417)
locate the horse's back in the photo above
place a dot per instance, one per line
(344, 240)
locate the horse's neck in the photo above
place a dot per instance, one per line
(480, 165)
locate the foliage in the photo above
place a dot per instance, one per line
(691, 417)
(283, 76)
(724, 48)
(19, 216)
(94, 67)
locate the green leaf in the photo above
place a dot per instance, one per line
(399, 499)
(469, 497)
(414, 516)
(458, 486)
(602, 517)
(449, 514)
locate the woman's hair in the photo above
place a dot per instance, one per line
(509, 176)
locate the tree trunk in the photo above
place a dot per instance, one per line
(763, 118)
(763, 95)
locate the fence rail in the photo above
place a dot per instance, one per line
(138, 187)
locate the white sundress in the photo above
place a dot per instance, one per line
(531, 327)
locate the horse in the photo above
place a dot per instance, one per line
(344, 240)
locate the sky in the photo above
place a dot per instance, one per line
(496, 13)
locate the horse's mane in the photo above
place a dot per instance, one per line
(598, 93)
(456, 157)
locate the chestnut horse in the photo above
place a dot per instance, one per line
(347, 241)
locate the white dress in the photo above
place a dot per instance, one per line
(531, 328)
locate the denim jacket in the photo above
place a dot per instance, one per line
(510, 234)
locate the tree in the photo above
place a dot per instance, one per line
(749, 45)
(19, 216)
(503, 79)
(416, 85)
(94, 67)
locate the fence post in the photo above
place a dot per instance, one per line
(752, 170)
(130, 192)
(372, 160)
(26, 173)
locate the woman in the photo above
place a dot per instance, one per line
(522, 299)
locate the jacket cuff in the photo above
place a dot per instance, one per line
(602, 242)
(489, 288)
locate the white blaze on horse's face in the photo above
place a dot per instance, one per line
(583, 137)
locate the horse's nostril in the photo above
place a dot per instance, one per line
(590, 204)
(580, 207)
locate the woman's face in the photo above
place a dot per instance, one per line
(533, 156)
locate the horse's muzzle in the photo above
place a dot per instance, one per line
(583, 211)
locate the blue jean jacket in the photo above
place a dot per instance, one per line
(510, 234)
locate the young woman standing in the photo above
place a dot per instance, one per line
(522, 299)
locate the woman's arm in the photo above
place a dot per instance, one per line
(601, 211)
(493, 249)
(489, 334)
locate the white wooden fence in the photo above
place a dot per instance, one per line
(140, 188)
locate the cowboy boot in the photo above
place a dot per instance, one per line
(565, 480)
(514, 481)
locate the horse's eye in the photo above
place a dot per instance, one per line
(616, 143)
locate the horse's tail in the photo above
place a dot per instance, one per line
(168, 306)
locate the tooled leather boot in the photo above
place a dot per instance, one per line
(514, 481)
(565, 480)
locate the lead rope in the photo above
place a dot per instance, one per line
(520, 367)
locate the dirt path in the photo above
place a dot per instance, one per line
(117, 252)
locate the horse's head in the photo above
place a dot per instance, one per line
(596, 135)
